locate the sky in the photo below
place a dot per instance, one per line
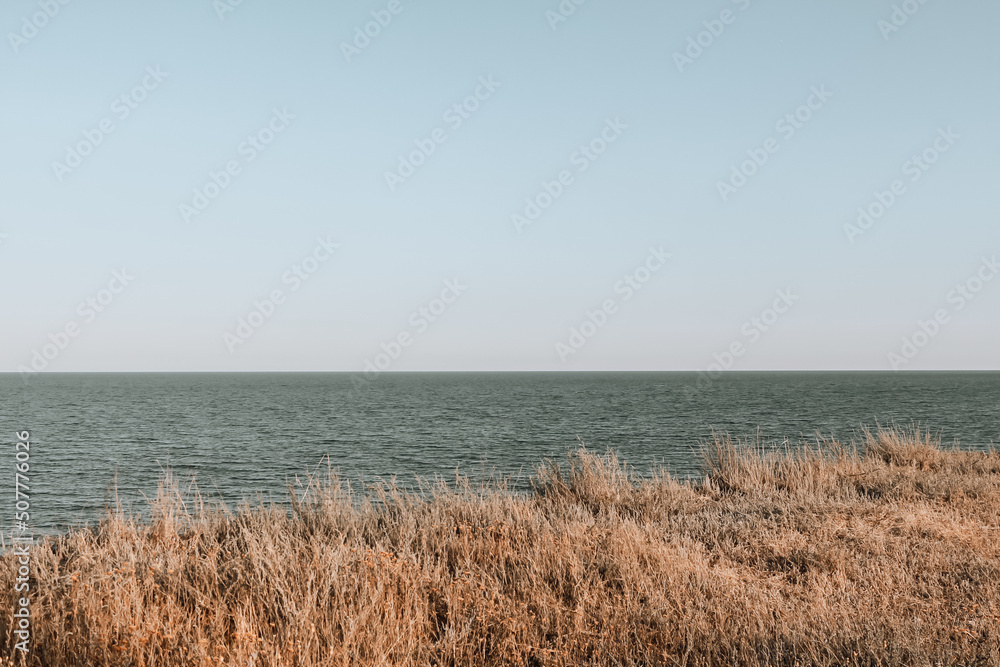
(410, 185)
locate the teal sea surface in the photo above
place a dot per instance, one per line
(244, 434)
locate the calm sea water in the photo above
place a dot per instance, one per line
(244, 434)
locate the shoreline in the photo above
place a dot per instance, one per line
(887, 554)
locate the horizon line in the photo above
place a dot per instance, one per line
(404, 372)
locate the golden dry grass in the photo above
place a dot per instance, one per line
(821, 556)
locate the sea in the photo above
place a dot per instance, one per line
(247, 436)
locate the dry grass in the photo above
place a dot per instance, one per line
(887, 555)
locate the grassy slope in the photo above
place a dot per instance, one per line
(822, 557)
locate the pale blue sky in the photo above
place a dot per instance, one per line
(656, 184)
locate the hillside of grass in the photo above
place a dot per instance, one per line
(884, 553)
